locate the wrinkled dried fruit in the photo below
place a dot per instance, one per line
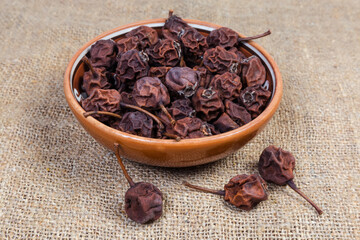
(277, 165)
(181, 108)
(174, 27)
(190, 128)
(102, 100)
(207, 104)
(182, 80)
(95, 80)
(220, 60)
(224, 123)
(255, 99)
(205, 76)
(149, 93)
(165, 53)
(131, 66)
(194, 44)
(237, 113)
(227, 84)
(127, 44)
(223, 37)
(143, 201)
(136, 123)
(103, 54)
(245, 191)
(253, 72)
(159, 72)
(146, 36)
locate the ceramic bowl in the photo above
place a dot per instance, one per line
(163, 152)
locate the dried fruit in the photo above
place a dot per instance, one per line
(220, 60)
(182, 80)
(237, 113)
(103, 53)
(143, 201)
(255, 99)
(243, 191)
(107, 100)
(207, 104)
(224, 123)
(132, 66)
(277, 165)
(94, 79)
(165, 52)
(253, 71)
(223, 37)
(228, 85)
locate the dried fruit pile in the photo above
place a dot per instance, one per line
(175, 83)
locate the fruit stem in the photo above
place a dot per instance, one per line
(86, 114)
(268, 32)
(87, 62)
(128, 178)
(296, 189)
(163, 108)
(219, 192)
(171, 13)
(161, 126)
(173, 136)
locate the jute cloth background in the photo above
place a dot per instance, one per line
(57, 182)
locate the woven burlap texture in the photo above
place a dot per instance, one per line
(57, 182)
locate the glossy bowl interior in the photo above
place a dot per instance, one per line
(163, 152)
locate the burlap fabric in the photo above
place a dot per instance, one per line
(57, 182)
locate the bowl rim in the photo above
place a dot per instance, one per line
(248, 128)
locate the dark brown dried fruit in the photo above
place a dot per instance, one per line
(227, 84)
(243, 191)
(103, 53)
(165, 52)
(253, 71)
(143, 201)
(277, 165)
(131, 66)
(181, 108)
(174, 27)
(220, 61)
(205, 76)
(94, 79)
(149, 93)
(102, 100)
(224, 123)
(207, 104)
(159, 72)
(190, 128)
(146, 36)
(223, 37)
(237, 113)
(182, 80)
(194, 44)
(127, 44)
(136, 123)
(255, 99)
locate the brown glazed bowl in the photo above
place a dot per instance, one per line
(164, 152)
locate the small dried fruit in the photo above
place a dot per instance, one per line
(255, 99)
(228, 85)
(220, 60)
(253, 72)
(243, 191)
(277, 165)
(223, 37)
(103, 54)
(207, 104)
(182, 80)
(165, 52)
